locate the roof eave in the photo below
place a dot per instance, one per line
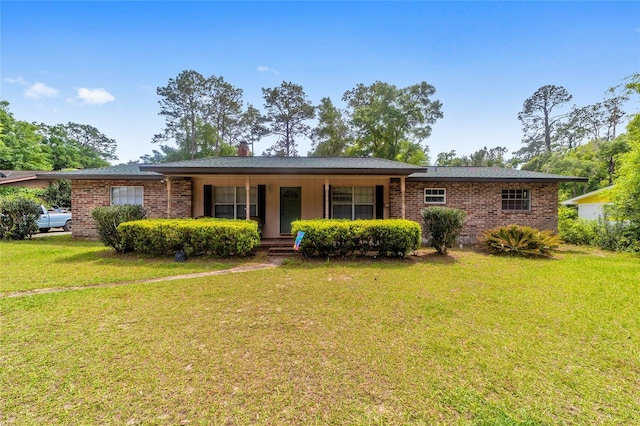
(97, 176)
(21, 179)
(496, 179)
(278, 171)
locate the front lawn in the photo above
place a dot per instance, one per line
(464, 339)
(60, 261)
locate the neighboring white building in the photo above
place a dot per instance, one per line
(591, 205)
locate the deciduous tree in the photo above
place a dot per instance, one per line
(67, 152)
(626, 193)
(89, 137)
(21, 146)
(485, 157)
(388, 120)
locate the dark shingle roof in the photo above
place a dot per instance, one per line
(13, 176)
(285, 165)
(122, 171)
(487, 174)
(310, 166)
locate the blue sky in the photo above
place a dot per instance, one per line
(99, 63)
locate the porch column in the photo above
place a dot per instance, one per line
(247, 186)
(168, 181)
(326, 197)
(402, 191)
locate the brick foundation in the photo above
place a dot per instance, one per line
(482, 203)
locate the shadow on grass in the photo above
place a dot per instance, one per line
(59, 240)
(301, 262)
(109, 256)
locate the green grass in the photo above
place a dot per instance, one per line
(464, 339)
(60, 261)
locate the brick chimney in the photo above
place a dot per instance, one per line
(243, 150)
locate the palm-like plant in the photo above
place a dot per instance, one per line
(515, 240)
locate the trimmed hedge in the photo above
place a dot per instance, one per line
(342, 237)
(220, 237)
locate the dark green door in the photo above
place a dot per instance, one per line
(289, 208)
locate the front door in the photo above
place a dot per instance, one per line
(289, 208)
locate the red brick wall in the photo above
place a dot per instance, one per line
(89, 194)
(482, 201)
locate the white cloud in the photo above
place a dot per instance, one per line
(18, 80)
(95, 96)
(267, 69)
(40, 90)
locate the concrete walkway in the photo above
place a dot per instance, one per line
(273, 262)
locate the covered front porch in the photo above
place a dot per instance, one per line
(274, 201)
(275, 191)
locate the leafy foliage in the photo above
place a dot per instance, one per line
(331, 137)
(515, 240)
(21, 146)
(18, 218)
(27, 146)
(484, 157)
(57, 193)
(287, 111)
(337, 237)
(221, 237)
(626, 193)
(391, 122)
(613, 235)
(442, 226)
(108, 218)
(77, 146)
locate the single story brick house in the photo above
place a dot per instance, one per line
(279, 190)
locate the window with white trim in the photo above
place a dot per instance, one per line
(352, 202)
(435, 195)
(230, 202)
(126, 195)
(516, 199)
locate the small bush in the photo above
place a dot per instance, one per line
(604, 234)
(220, 237)
(515, 240)
(341, 237)
(108, 218)
(615, 236)
(18, 218)
(578, 231)
(442, 226)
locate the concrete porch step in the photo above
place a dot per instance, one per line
(282, 251)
